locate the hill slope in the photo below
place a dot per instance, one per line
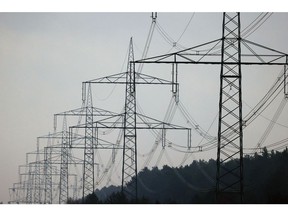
(265, 181)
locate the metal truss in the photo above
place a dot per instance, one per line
(142, 123)
(37, 191)
(208, 53)
(121, 78)
(89, 112)
(230, 179)
(230, 51)
(63, 196)
(48, 173)
(59, 155)
(28, 187)
(17, 193)
(88, 173)
(74, 141)
(129, 124)
(37, 186)
(129, 165)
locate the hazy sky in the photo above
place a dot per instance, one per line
(44, 57)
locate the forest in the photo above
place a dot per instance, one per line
(265, 182)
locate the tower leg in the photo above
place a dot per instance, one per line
(129, 166)
(88, 174)
(63, 196)
(229, 186)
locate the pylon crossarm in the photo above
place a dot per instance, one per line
(58, 135)
(181, 56)
(114, 78)
(141, 124)
(151, 123)
(82, 112)
(103, 123)
(261, 55)
(252, 54)
(147, 79)
(120, 78)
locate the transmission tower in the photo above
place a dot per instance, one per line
(131, 121)
(229, 186)
(30, 185)
(230, 180)
(63, 196)
(89, 112)
(88, 175)
(37, 176)
(234, 52)
(129, 166)
(53, 155)
(48, 172)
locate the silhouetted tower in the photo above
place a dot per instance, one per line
(88, 173)
(230, 180)
(30, 184)
(63, 196)
(129, 167)
(37, 183)
(235, 51)
(48, 172)
(130, 79)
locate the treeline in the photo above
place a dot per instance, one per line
(265, 181)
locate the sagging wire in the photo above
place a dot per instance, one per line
(272, 123)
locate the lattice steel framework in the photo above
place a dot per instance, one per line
(88, 174)
(129, 166)
(48, 172)
(37, 182)
(131, 78)
(63, 196)
(87, 111)
(230, 176)
(30, 184)
(235, 51)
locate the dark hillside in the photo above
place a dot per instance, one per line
(265, 181)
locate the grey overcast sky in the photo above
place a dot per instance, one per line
(44, 57)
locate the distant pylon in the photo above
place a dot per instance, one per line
(30, 184)
(48, 172)
(229, 177)
(37, 183)
(63, 196)
(229, 186)
(88, 174)
(129, 167)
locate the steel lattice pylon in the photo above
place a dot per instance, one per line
(29, 185)
(63, 196)
(129, 167)
(230, 176)
(88, 174)
(235, 52)
(37, 183)
(48, 172)
(128, 122)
